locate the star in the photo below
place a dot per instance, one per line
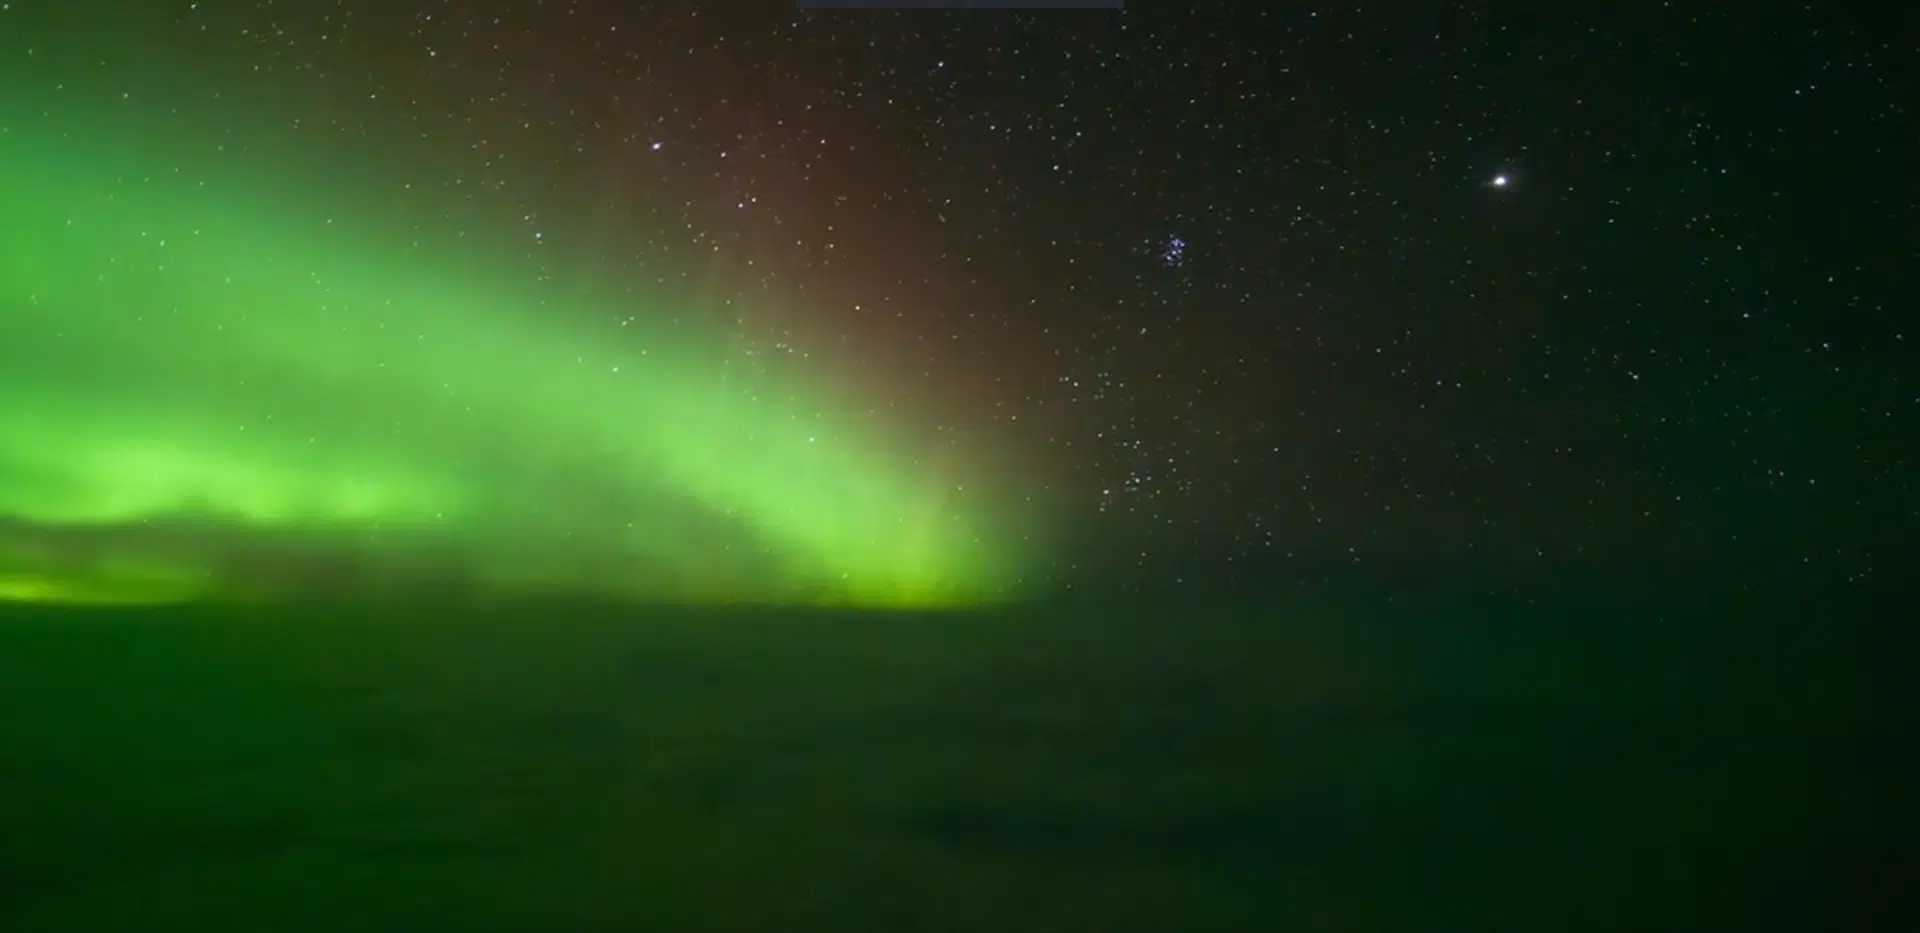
(1173, 252)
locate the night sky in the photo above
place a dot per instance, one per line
(920, 307)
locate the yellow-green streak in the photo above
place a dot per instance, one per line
(182, 348)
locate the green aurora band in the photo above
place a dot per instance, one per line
(213, 387)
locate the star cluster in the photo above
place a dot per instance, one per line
(1238, 298)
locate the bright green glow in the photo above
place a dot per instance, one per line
(186, 350)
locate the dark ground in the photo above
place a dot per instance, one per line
(1300, 764)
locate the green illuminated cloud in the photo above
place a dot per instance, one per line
(197, 370)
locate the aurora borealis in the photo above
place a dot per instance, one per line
(222, 378)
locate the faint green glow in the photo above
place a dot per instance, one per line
(182, 349)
